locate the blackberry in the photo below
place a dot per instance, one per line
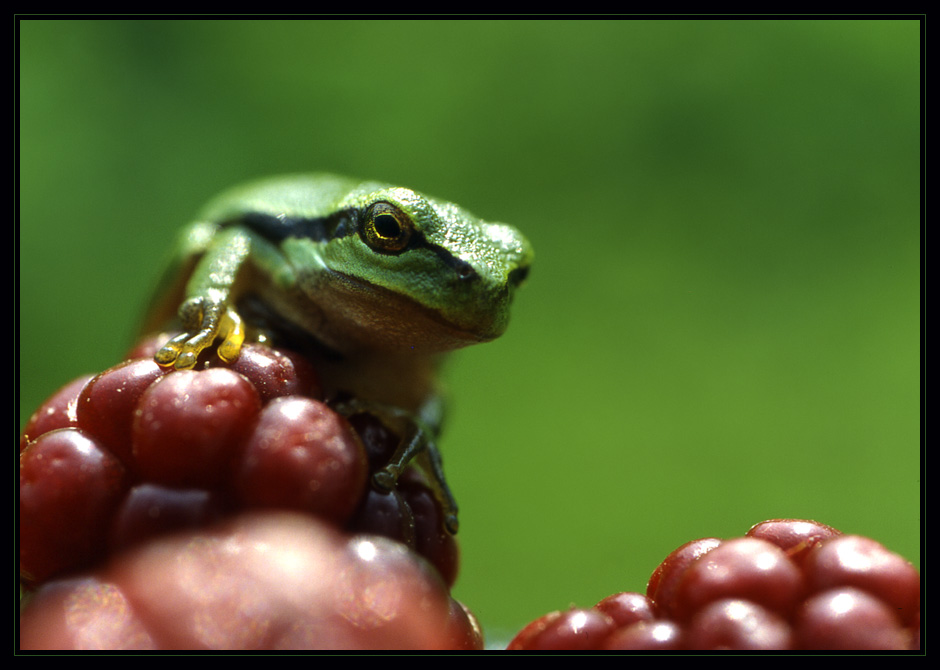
(786, 584)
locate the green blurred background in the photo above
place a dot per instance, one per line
(722, 323)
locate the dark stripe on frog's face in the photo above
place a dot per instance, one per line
(276, 229)
(346, 222)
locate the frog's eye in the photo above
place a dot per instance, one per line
(386, 229)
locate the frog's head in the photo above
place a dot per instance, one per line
(410, 271)
(388, 268)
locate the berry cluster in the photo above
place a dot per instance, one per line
(787, 584)
(114, 459)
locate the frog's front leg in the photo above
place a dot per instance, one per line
(208, 312)
(416, 443)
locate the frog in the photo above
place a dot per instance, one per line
(382, 281)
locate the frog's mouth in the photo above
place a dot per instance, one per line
(377, 317)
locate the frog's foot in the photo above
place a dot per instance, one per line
(203, 320)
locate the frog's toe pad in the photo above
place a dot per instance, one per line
(183, 350)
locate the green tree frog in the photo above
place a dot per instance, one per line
(384, 281)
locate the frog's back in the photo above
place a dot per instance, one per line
(300, 195)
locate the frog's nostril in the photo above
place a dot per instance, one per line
(518, 275)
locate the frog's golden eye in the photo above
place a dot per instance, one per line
(387, 229)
